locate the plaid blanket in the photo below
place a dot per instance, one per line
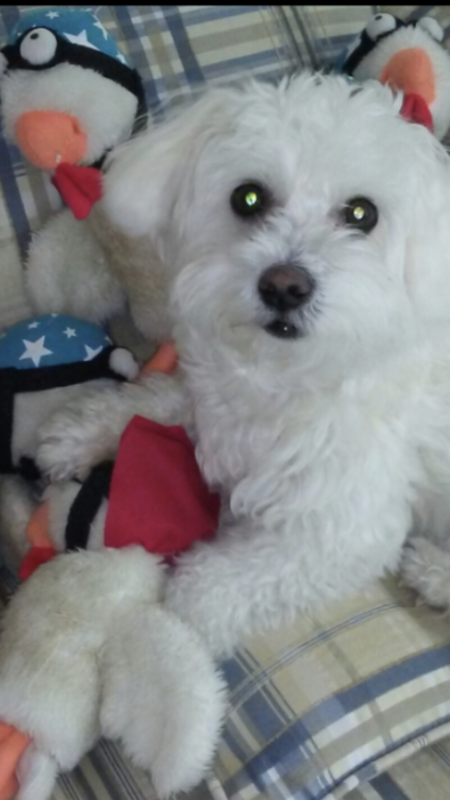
(333, 706)
(330, 707)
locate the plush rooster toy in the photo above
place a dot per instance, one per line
(170, 510)
(68, 96)
(409, 57)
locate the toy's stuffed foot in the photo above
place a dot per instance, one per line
(25, 773)
(41, 547)
(163, 698)
(13, 744)
(36, 773)
(52, 634)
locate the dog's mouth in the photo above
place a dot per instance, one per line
(283, 329)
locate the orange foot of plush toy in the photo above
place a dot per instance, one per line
(41, 547)
(13, 744)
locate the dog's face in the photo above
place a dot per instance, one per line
(306, 223)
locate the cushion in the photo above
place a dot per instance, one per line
(331, 702)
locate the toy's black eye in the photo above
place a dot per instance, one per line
(360, 214)
(38, 46)
(249, 199)
(379, 25)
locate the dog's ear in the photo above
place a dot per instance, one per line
(142, 177)
(427, 266)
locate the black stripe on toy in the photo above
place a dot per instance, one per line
(86, 505)
(14, 381)
(6, 415)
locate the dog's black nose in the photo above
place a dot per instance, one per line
(285, 287)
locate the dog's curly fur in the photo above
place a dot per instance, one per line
(331, 444)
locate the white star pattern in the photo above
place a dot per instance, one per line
(80, 38)
(33, 324)
(70, 332)
(101, 28)
(91, 352)
(107, 339)
(121, 59)
(52, 14)
(35, 351)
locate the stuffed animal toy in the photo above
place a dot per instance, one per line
(410, 57)
(91, 270)
(68, 96)
(174, 510)
(45, 361)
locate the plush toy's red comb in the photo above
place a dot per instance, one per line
(416, 110)
(80, 187)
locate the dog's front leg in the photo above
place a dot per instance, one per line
(251, 579)
(242, 582)
(88, 431)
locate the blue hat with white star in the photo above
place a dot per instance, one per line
(75, 25)
(44, 38)
(52, 351)
(50, 340)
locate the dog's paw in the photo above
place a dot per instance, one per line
(70, 445)
(425, 567)
(65, 455)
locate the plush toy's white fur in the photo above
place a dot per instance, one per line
(92, 270)
(106, 115)
(67, 272)
(98, 656)
(17, 504)
(329, 448)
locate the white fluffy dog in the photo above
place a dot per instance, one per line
(307, 225)
(306, 229)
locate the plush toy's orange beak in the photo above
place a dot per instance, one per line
(411, 71)
(13, 744)
(48, 138)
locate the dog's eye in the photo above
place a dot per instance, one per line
(248, 200)
(360, 214)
